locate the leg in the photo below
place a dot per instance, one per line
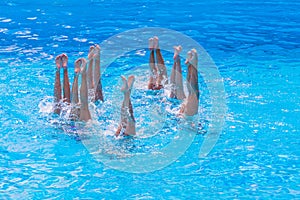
(162, 76)
(98, 92)
(127, 118)
(84, 107)
(176, 76)
(123, 123)
(153, 69)
(90, 78)
(66, 89)
(130, 85)
(74, 96)
(57, 85)
(97, 75)
(192, 78)
(190, 107)
(179, 83)
(172, 80)
(130, 127)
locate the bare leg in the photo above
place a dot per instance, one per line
(127, 118)
(75, 99)
(190, 107)
(193, 73)
(84, 107)
(172, 80)
(97, 74)
(153, 69)
(162, 76)
(130, 85)
(90, 78)
(66, 89)
(176, 76)
(57, 86)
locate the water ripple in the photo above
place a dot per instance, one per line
(256, 47)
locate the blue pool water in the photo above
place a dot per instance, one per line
(255, 45)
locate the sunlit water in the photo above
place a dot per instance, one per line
(256, 48)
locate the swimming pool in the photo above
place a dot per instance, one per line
(256, 48)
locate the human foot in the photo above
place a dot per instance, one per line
(91, 52)
(58, 62)
(82, 65)
(188, 57)
(151, 44)
(64, 60)
(177, 50)
(124, 87)
(192, 58)
(127, 84)
(155, 42)
(130, 82)
(97, 51)
(77, 66)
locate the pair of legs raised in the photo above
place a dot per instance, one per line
(158, 72)
(93, 71)
(176, 76)
(190, 106)
(61, 61)
(80, 68)
(127, 123)
(79, 106)
(85, 114)
(158, 77)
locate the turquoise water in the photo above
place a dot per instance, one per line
(256, 48)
